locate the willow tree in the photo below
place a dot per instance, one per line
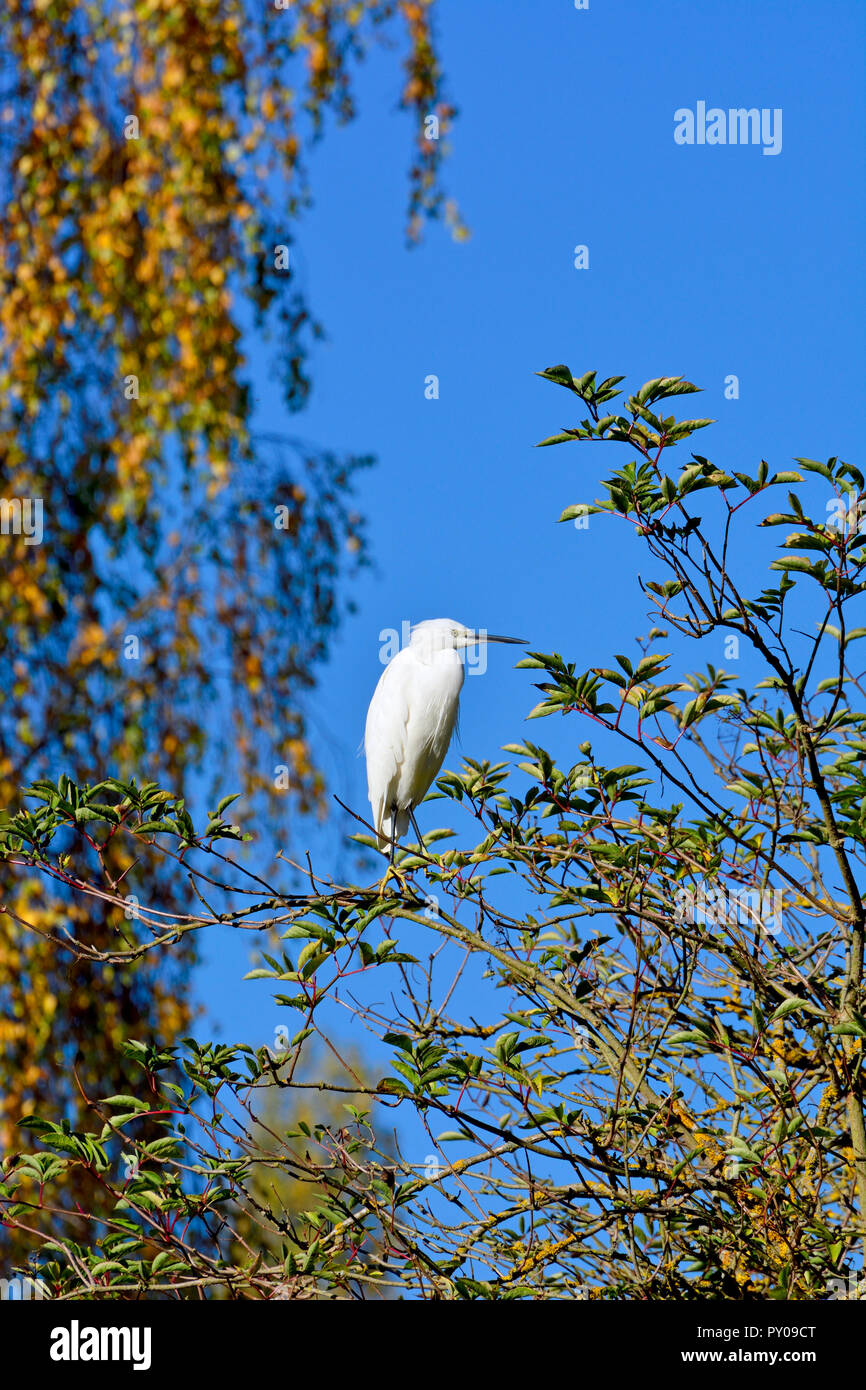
(619, 1018)
(170, 578)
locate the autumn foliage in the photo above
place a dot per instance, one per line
(153, 157)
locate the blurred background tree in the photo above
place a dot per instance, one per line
(622, 1016)
(170, 621)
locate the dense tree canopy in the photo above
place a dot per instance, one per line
(620, 1027)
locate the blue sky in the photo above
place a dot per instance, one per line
(703, 261)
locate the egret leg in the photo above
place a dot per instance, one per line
(415, 828)
(392, 871)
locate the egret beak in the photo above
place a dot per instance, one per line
(514, 641)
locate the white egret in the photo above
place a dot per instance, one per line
(410, 722)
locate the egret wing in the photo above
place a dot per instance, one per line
(385, 740)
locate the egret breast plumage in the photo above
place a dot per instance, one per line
(411, 719)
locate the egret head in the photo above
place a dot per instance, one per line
(438, 634)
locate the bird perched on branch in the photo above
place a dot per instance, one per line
(410, 722)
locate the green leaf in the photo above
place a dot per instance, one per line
(813, 466)
(853, 1026)
(127, 1102)
(559, 374)
(788, 1006)
(568, 438)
